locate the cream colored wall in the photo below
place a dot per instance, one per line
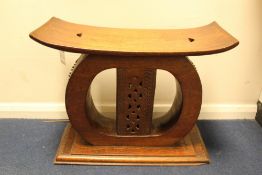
(32, 74)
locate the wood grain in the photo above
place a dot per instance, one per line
(135, 100)
(70, 37)
(133, 138)
(99, 130)
(74, 150)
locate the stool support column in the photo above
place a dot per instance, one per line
(135, 100)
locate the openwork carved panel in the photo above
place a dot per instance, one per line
(135, 96)
(136, 90)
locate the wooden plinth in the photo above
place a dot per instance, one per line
(74, 150)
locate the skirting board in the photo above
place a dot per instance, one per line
(57, 111)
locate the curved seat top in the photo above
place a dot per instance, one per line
(77, 38)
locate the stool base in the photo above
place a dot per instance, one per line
(74, 150)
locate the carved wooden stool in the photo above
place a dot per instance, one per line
(133, 137)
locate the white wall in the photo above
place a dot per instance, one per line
(33, 80)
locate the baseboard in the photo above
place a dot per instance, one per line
(228, 111)
(33, 110)
(57, 111)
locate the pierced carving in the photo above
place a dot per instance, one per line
(98, 130)
(134, 100)
(134, 87)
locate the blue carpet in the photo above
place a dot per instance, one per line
(29, 146)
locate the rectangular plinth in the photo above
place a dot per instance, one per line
(74, 150)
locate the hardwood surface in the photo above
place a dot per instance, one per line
(135, 100)
(167, 130)
(70, 37)
(74, 150)
(133, 137)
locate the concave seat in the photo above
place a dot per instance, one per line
(71, 37)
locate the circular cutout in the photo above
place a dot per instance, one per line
(81, 110)
(104, 99)
(167, 92)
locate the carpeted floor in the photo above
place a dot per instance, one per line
(27, 147)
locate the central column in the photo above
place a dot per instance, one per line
(135, 100)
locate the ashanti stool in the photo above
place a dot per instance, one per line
(133, 137)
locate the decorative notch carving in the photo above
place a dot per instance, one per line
(134, 98)
(135, 101)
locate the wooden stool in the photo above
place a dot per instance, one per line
(133, 137)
